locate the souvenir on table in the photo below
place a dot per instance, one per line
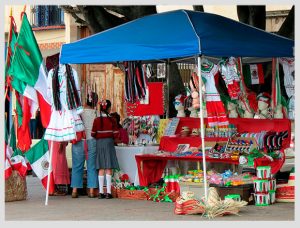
(64, 92)
(172, 126)
(161, 128)
(215, 108)
(185, 131)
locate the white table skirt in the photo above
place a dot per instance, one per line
(126, 159)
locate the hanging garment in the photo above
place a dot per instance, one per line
(289, 75)
(216, 113)
(228, 70)
(64, 123)
(135, 82)
(289, 83)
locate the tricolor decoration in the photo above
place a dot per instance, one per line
(263, 172)
(38, 157)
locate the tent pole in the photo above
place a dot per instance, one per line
(49, 171)
(168, 88)
(202, 134)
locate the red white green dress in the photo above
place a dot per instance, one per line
(216, 114)
(65, 123)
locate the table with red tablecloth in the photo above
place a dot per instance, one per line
(151, 167)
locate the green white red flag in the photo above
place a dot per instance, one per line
(28, 67)
(254, 74)
(7, 165)
(39, 157)
(15, 156)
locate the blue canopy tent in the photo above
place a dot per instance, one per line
(176, 34)
(173, 35)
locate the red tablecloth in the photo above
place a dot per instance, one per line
(151, 167)
(170, 144)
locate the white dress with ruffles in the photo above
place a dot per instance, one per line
(64, 123)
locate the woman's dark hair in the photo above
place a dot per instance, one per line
(92, 102)
(117, 117)
(73, 99)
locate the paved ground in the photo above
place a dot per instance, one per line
(86, 209)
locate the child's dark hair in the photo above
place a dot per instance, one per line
(104, 106)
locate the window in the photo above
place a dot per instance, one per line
(44, 16)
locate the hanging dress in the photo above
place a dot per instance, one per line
(230, 75)
(289, 83)
(63, 123)
(216, 114)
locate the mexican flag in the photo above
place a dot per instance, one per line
(18, 85)
(27, 66)
(23, 115)
(39, 157)
(253, 74)
(7, 165)
(17, 158)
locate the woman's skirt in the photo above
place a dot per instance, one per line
(106, 157)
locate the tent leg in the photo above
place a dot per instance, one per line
(202, 134)
(168, 87)
(49, 172)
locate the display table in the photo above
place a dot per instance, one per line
(151, 167)
(126, 159)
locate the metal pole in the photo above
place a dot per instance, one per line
(168, 88)
(202, 134)
(49, 172)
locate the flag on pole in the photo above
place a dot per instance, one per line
(23, 115)
(7, 165)
(27, 66)
(14, 82)
(39, 157)
(17, 158)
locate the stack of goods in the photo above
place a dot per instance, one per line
(229, 179)
(223, 131)
(262, 186)
(186, 204)
(286, 192)
(269, 141)
(193, 176)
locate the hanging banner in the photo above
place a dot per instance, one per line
(257, 74)
(155, 102)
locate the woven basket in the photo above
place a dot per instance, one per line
(132, 194)
(15, 187)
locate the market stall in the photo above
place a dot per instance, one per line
(174, 35)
